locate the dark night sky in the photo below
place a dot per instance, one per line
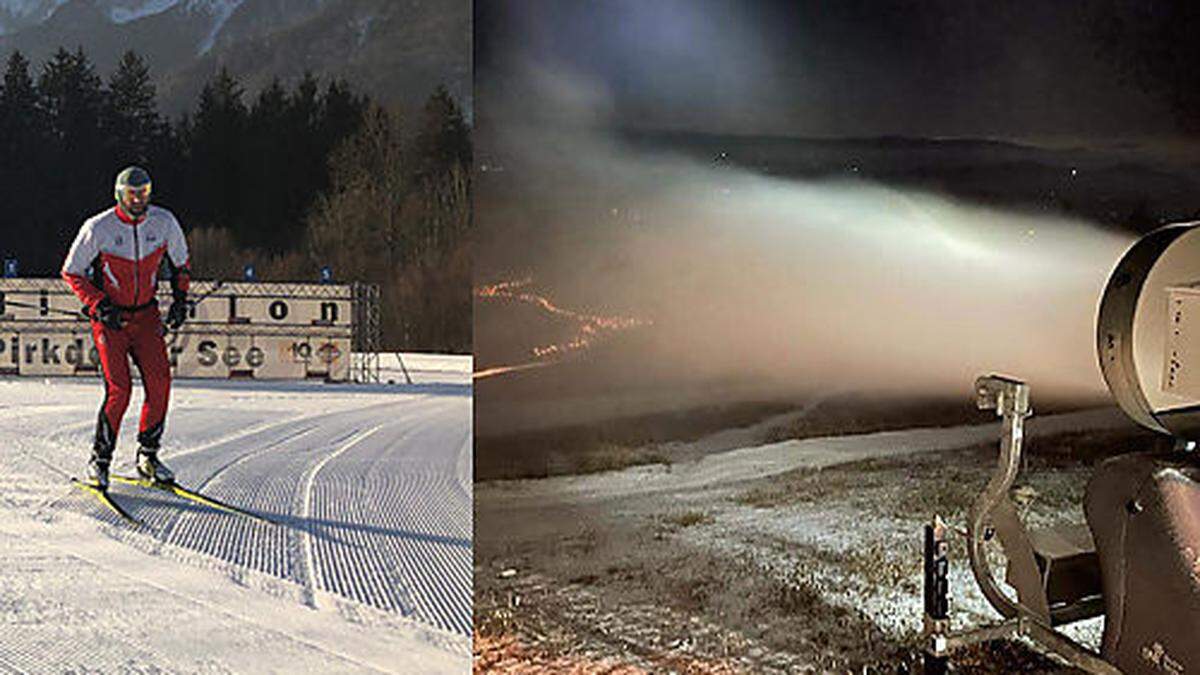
(834, 68)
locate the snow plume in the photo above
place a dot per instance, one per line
(823, 285)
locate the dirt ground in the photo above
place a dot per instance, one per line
(816, 568)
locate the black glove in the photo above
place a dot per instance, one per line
(108, 315)
(177, 313)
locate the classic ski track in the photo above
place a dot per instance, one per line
(167, 530)
(416, 576)
(466, 456)
(212, 478)
(268, 550)
(310, 568)
(60, 435)
(334, 578)
(428, 564)
(246, 433)
(435, 573)
(178, 514)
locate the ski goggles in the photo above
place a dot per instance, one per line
(141, 192)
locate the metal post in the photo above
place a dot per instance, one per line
(367, 333)
(937, 605)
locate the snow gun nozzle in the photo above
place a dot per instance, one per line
(1006, 395)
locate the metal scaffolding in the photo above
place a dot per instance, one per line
(364, 357)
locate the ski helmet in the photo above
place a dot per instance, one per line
(131, 183)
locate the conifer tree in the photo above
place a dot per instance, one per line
(134, 125)
(22, 128)
(218, 191)
(78, 167)
(443, 139)
(267, 163)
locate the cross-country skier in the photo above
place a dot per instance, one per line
(113, 268)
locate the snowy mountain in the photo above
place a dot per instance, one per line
(18, 14)
(124, 11)
(395, 51)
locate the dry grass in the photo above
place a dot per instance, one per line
(947, 482)
(607, 457)
(864, 414)
(630, 570)
(860, 414)
(507, 654)
(687, 519)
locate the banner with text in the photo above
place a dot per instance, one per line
(258, 330)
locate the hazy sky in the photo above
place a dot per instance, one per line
(844, 67)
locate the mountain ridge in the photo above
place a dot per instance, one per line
(395, 51)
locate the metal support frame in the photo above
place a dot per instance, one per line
(365, 344)
(993, 513)
(993, 508)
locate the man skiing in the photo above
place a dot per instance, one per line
(113, 268)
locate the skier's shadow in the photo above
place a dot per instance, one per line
(166, 512)
(328, 530)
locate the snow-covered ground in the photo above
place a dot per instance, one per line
(369, 568)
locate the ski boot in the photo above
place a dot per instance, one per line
(97, 473)
(151, 469)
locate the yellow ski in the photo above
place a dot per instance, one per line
(191, 495)
(106, 500)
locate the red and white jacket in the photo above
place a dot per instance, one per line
(123, 255)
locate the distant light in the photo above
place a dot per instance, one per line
(1031, 232)
(1074, 172)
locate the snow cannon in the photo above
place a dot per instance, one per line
(1136, 561)
(1148, 332)
(1143, 508)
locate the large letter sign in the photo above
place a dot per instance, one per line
(245, 329)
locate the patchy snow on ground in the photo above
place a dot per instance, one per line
(840, 516)
(763, 461)
(368, 569)
(811, 546)
(861, 548)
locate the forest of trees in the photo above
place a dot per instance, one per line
(291, 179)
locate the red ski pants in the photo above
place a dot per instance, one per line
(141, 340)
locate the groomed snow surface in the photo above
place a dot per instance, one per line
(369, 569)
